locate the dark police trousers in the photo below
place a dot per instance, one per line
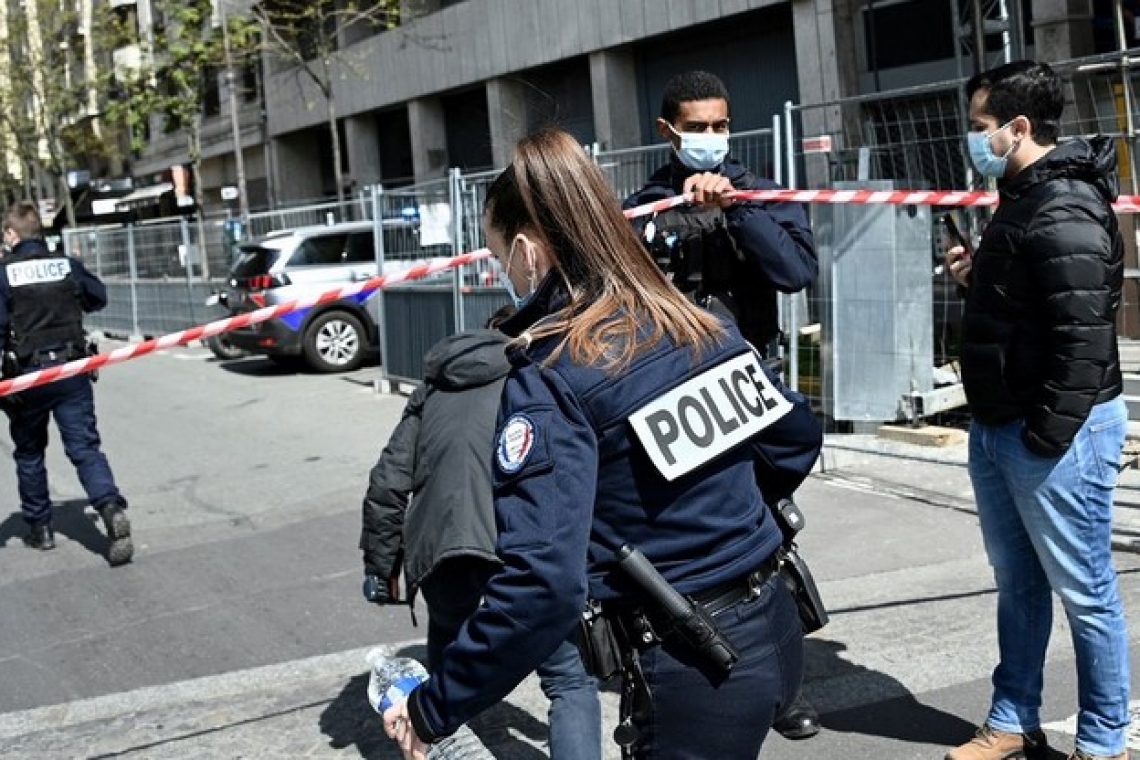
(72, 403)
(692, 717)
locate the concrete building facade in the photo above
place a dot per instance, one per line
(460, 80)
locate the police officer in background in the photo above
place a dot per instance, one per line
(630, 432)
(43, 296)
(727, 255)
(730, 257)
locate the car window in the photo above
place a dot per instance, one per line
(361, 247)
(253, 261)
(321, 250)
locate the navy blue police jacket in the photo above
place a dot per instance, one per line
(774, 240)
(574, 481)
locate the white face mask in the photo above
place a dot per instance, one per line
(517, 299)
(702, 151)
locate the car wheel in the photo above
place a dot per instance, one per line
(222, 348)
(334, 342)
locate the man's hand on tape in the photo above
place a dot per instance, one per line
(709, 189)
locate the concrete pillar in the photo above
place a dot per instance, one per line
(429, 138)
(300, 165)
(363, 146)
(1062, 29)
(613, 82)
(506, 117)
(827, 62)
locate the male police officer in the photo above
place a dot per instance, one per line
(730, 257)
(43, 296)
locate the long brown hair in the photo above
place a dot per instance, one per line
(553, 190)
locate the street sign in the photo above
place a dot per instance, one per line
(821, 144)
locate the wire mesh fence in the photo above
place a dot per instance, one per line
(912, 138)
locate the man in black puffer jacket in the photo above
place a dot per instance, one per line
(429, 507)
(1042, 376)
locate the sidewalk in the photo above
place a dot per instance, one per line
(317, 708)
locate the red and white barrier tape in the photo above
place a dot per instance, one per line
(91, 363)
(1124, 204)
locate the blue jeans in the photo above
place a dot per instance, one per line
(72, 403)
(694, 715)
(1047, 527)
(453, 592)
(575, 713)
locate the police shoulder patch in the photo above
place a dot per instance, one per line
(516, 441)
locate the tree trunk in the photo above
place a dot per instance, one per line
(338, 175)
(326, 87)
(195, 139)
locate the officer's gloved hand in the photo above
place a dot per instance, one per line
(380, 590)
(376, 590)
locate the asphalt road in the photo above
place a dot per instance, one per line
(244, 482)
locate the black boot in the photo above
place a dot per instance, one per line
(799, 721)
(118, 529)
(40, 537)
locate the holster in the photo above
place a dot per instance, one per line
(606, 651)
(598, 643)
(798, 578)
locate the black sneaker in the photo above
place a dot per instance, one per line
(118, 529)
(40, 537)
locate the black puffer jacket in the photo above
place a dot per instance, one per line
(1039, 330)
(439, 456)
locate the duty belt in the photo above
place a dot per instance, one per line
(648, 626)
(730, 593)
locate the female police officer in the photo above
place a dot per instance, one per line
(630, 417)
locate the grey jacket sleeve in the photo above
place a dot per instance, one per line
(389, 489)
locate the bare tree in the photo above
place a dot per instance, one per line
(183, 51)
(311, 35)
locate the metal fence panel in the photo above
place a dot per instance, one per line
(881, 280)
(264, 222)
(415, 318)
(874, 298)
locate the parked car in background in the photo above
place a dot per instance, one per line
(304, 262)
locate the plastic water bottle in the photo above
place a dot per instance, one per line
(392, 678)
(390, 682)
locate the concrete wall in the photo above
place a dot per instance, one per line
(472, 42)
(299, 169)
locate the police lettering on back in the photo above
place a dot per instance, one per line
(708, 415)
(38, 271)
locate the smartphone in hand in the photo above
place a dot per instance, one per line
(956, 234)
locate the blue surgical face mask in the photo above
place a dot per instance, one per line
(982, 153)
(505, 275)
(703, 151)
